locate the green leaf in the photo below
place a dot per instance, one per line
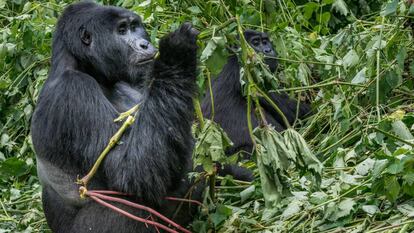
(392, 188)
(215, 55)
(402, 130)
(365, 166)
(395, 168)
(341, 7)
(309, 8)
(247, 193)
(411, 10)
(208, 50)
(379, 166)
(344, 209)
(412, 67)
(409, 178)
(393, 79)
(194, 9)
(390, 8)
(401, 56)
(360, 77)
(324, 18)
(13, 167)
(221, 214)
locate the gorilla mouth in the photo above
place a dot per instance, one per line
(146, 59)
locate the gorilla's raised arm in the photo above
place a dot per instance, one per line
(156, 153)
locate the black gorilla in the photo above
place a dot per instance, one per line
(103, 64)
(230, 107)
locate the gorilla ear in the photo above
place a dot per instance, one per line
(85, 36)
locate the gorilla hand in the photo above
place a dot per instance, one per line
(179, 47)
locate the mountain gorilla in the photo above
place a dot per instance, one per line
(103, 64)
(230, 107)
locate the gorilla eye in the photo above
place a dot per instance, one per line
(255, 42)
(122, 29)
(134, 25)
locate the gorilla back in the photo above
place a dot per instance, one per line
(102, 64)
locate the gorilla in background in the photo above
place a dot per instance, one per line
(230, 107)
(103, 64)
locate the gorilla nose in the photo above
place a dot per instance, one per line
(144, 44)
(268, 50)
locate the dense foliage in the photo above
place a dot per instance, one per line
(351, 59)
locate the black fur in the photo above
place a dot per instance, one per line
(230, 107)
(94, 76)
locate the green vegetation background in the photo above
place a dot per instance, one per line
(351, 59)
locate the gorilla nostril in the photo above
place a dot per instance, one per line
(144, 44)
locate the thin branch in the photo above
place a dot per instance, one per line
(112, 142)
(137, 206)
(123, 212)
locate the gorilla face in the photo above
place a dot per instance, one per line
(131, 31)
(260, 42)
(136, 47)
(114, 46)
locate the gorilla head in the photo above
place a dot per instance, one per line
(111, 43)
(260, 42)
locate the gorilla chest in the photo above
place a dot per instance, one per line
(123, 96)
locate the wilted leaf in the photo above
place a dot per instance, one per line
(305, 160)
(360, 77)
(402, 130)
(350, 59)
(272, 161)
(364, 167)
(211, 144)
(370, 209)
(318, 198)
(406, 209)
(293, 208)
(344, 208)
(247, 193)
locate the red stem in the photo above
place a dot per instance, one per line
(109, 192)
(138, 206)
(118, 210)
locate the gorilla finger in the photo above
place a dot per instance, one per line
(194, 32)
(185, 27)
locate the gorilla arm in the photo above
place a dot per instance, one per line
(287, 105)
(160, 139)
